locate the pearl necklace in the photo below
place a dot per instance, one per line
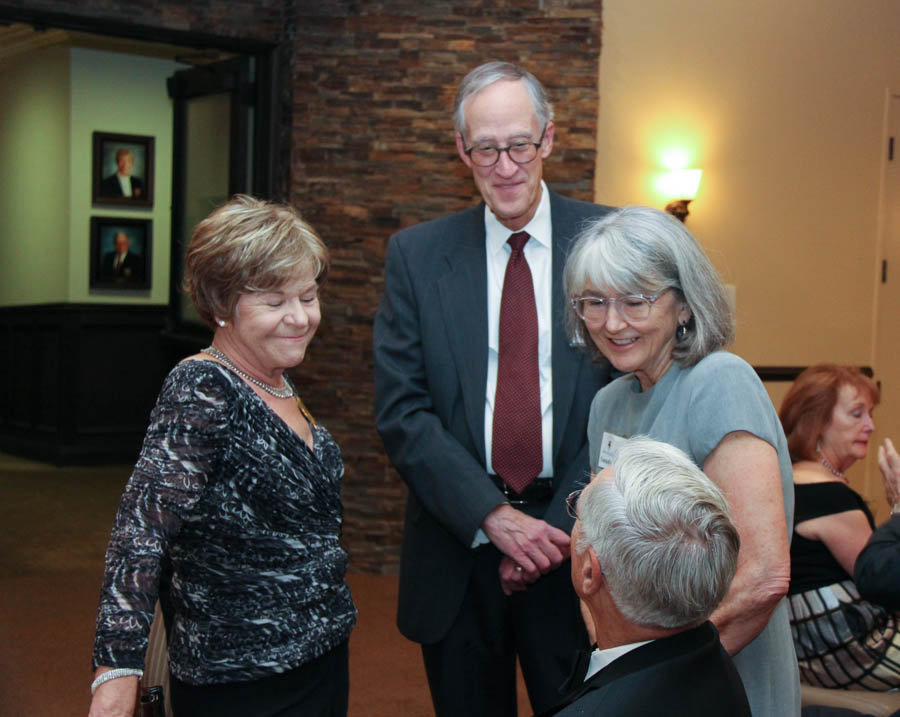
(286, 390)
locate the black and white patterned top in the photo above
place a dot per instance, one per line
(250, 519)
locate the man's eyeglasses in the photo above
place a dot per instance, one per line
(634, 307)
(572, 503)
(518, 152)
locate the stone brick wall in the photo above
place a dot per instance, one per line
(372, 150)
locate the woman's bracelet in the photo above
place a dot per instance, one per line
(113, 674)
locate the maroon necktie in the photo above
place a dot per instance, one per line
(517, 451)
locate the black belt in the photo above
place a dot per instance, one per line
(540, 490)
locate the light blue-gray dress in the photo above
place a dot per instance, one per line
(694, 409)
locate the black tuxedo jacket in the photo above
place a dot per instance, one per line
(685, 675)
(431, 347)
(110, 187)
(877, 568)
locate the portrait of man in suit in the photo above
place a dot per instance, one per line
(120, 253)
(123, 169)
(653, 554)
(121, 264)
(121, 183)
(482, 405)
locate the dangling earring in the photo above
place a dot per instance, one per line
(680, 332)
(221, 322)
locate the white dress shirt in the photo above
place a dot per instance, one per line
(601, 658)
(539, 254)
(124, 183)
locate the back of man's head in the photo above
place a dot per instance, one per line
(662, 534)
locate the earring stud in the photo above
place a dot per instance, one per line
(221, 322)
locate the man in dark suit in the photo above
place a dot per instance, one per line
(485, 417)
(121, 183)
(876, 571)
(122, 264)
(653, 553)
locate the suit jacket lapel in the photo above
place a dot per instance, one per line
(463, 297)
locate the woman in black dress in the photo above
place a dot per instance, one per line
(841, 639)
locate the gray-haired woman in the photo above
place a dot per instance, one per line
(645, 297)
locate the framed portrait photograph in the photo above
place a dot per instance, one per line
(122, 169)
(121, 253)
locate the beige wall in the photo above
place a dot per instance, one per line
(34, 161)
(125, 94)
(782, 105)
(51, 102)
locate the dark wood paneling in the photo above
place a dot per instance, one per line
(80, 380)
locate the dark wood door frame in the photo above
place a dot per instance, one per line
(270, 170)
(271, 164)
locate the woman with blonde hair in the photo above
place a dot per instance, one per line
(237, 489)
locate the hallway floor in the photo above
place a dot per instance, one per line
(56, 523)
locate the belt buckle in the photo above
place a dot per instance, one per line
(507, 491)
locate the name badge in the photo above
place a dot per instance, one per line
(608, 449)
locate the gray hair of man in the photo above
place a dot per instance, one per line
(641, 250)
(662, 534)
(488, 74)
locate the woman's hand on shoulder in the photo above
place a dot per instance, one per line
(889, 463)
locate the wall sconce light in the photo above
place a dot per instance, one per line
(680, 183)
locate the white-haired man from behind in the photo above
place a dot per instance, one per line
(653, 554)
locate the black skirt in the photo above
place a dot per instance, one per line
(317, 689)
